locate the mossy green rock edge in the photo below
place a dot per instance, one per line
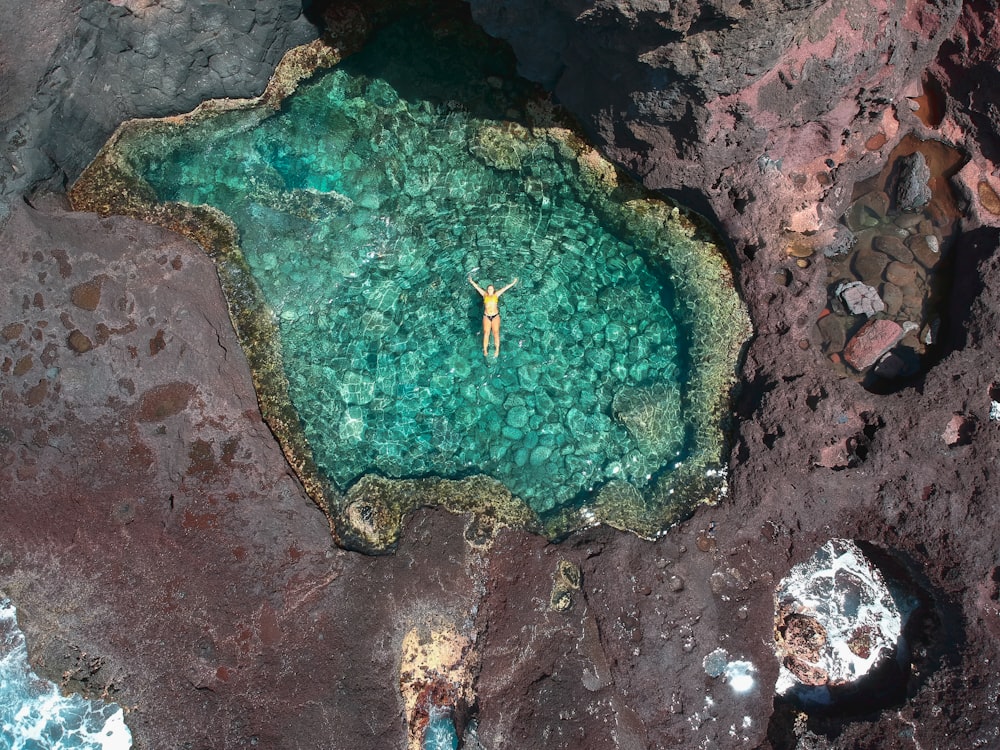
(370, 515)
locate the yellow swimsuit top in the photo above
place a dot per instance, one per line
(488, 298)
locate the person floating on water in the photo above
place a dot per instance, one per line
(491, 314)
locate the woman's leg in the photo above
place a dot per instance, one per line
(496, 335)
(486, 334)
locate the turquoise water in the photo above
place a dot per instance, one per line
(34, 715)
(364, 205)
(440, 734)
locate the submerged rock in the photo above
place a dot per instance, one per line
(869, 265)
(893, 247)
(867, 211)
(860, 298)
(926, 249)
(651, 414)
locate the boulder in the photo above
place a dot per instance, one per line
(913, 192)
(874, 339)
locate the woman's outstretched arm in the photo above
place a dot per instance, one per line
(507, 287)
(479, 289)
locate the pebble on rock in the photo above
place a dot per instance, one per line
(835, 456)
(79, 342)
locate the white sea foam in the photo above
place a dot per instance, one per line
(34, 715)
(848, 596)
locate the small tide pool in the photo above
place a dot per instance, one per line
(366, 202)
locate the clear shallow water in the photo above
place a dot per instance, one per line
(34, 715)
(362, 208)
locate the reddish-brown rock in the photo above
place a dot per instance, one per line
(872, 340)
(197, 570)
(959, 430)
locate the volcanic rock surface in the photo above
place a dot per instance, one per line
(159, 549)
(72, 72)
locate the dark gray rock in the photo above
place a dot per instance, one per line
(841, 242)
(695, 93)
(913, 192)
(109, 64)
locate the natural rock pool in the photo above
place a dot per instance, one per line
(363, 205)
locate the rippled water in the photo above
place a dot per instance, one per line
(34, 715)
(362, 208)
(441, 734)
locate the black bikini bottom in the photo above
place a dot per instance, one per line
(490, 317)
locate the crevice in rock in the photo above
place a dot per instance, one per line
(889, 287)
(972, 251)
